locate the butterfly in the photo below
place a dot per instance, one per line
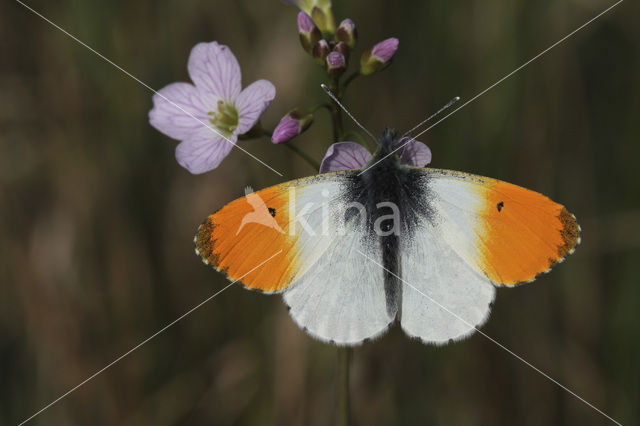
(354, 251)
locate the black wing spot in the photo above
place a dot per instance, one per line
(500, 205)
(272, 211)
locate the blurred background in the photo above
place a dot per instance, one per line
(97, 218)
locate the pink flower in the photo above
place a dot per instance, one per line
(208, 116)
(351, 155)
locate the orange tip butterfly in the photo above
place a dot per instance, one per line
(353, 251)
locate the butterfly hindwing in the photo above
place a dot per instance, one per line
(341, 299)
(443, 298)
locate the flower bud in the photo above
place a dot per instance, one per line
(320, 11)
(308, 32)
(336, 63)
(378, 57)
(344, 49)
(347, 33)
(323, 17)
(320, 51)
(291, 125)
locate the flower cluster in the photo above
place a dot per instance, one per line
(212, 114)
(331, 48)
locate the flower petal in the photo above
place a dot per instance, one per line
(215, 70)
(414, 153)
(252, 102)
(344, 156)
(203, 150)
(178, 110)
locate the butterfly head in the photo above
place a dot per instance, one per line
(387, 144)
(387, 140)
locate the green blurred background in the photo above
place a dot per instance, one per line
(97, 218)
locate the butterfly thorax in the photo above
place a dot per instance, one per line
(390, 191)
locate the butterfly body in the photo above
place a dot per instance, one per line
(379, 189)
(357, 250)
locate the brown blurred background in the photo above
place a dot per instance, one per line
(97, 218)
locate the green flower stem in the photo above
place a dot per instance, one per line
(317, 107)
(313, 163)
(256, 132)
(344, 359)
(349, 79)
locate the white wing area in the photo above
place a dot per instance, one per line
(452, 199)
(443, 298)
(338, 296)
(444, 295)
(341, 299)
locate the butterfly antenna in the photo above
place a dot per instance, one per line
(335, 99)
(451, 102)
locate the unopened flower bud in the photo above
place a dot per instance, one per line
(322, 15)
(347, 33)
(320, 11)
(344, 49)
(379, 56)
(291, 125)
(320, 51)
(308, 32)
(336, 63)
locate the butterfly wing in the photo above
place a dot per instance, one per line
(443, 298)
(310, 254)
(341, 299)
(475, 232)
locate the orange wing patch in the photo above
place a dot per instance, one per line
(248, 232)
(522, 233)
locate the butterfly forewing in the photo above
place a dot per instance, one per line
(507, 233)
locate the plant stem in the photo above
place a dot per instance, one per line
(349, 79)
(344, 359)
(313, 163)
(317, 107)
